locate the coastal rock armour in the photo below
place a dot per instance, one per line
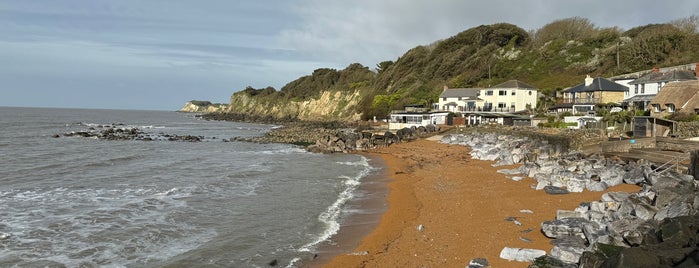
(659, 225)
(349, 141)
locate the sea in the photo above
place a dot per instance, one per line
(86, 202)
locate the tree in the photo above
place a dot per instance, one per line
(382, 66)
(575, 28)
(688, 25)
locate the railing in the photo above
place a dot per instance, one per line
(487, 109)
(675, 162)
(580, 101)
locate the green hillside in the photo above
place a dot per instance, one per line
(554, 57)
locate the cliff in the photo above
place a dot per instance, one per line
(203, 107)
(328, 106)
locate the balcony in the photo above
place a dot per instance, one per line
(580, 101)
(487, 109)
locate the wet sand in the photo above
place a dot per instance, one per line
(445, 209)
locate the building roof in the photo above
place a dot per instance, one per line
(598, 84)
(466, 93)
(515, 84)
(682, 94)
(669, 76)
(647, 97)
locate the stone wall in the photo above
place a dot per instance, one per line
(687, 129)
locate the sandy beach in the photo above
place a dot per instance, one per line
(445, 209)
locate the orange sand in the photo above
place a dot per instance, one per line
(461, 203)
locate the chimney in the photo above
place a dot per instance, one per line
(696, 70)
(588, 80)
(446, 87)
(656, 70)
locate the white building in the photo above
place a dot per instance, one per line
(642, 90)
(401, 120)
(511, 96)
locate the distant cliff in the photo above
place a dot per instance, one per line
(328, 106)
(203, 107)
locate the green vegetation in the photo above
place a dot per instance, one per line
(552, 58)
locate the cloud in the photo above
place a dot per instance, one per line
(370, 31)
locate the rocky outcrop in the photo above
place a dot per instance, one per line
(203, 107)
(120, 132)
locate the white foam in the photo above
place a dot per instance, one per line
(77, 227)
(332, 214)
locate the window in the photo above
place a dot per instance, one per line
(513, 92)
(460, 98)
(670, 107)
(656, 107)
(489, 93)
(660, 84)
(487, 106)
(635, 90)
(502, 93)
(643, 88)
(512, 105)
(502, 105)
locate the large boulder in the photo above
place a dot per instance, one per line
(564, 227)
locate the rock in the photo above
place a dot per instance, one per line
(555, 190)
(634, 176)
(564, 227)
(568, 249)
(521, 254)
(562, 214)
(599, 254)
(478, 263)
(614, 197)
(633, 257)
(597, 186)
(673, 210)
(550, 262)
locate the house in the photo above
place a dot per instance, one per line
(582, 98)
(511, 96)
(403, 119)
(460, 99)
(643, 89)
(677, 97)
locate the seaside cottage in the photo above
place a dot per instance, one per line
(645, 88)
(678, 97)
(582, 98)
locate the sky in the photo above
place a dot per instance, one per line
(159, 54)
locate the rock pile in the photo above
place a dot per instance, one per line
(348, 141)
(120, 132)
(655, 227)
(552, 166)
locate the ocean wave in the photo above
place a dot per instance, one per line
(330, 217)
(87, 227)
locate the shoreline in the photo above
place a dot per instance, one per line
(445, 209)
(366, 210)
